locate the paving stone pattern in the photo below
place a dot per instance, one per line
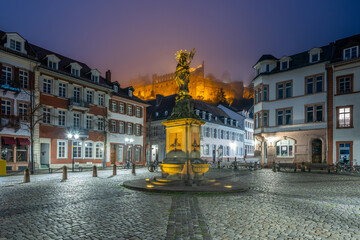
(278, 206)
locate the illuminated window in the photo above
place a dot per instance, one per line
(284, 148)
(345, 117)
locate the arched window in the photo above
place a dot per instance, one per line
(284, 148)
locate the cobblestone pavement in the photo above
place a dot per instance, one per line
(278, 206)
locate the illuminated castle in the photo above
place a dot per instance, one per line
(201, 88)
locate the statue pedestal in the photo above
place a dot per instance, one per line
(183, 160)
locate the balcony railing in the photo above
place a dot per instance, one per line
(78, 103)
(10, 85)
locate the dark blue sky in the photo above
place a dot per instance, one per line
(141, 37)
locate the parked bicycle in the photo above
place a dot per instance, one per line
(126, 165)
(154, 167)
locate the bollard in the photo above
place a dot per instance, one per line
(64, 176)
(94, 171)
(218, 164)
(114, 170)
(26, 176)
(255, 166)
(273, 167)
(133, 169)
(303, 167)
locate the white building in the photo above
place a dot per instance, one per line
(249, 141)
(290, 103)
(17, 63)
(222, 138)
(344, 102)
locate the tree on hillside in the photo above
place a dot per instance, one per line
(221, 98)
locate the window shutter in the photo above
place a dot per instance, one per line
(16, 77)
(110, 104)
(31, 80)
(141, 130)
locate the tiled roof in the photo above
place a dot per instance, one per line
(30, 51)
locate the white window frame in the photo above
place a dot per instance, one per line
(47, 86)
(65, 148)
(46, 118)
(89, 96)
(76, 120)
(79, 145)
(62, 118)
(6, 107)
(89, 122)
(90, 152)
(24, 79)
(101, 99)
(23, 111)
(287, 65)
(6, 74)
(62, 90)
(100, 124)
(315, 54)
(15, 45)
(99, 150)
(350, 53)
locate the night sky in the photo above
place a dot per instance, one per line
(141, 37)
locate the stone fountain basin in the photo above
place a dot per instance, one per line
(171, 168)
(200, 168)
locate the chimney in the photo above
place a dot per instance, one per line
(108, 76)
(158, 99)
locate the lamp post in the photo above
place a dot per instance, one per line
(72, 137)
(128, 141)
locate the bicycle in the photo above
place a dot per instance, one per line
(126, 165)
(153, 167)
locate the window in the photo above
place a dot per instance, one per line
(76, 120)
(99, 150)
(77, 94)
(52, 65)
(75, 72)
(101, 99)
(256, 96)
(280, 91)
(314, 113)
(233, 136)
(206, 149)
(47, 86)
(345, 117)
(89, 120)
(15, 45)
(259, 95)
(46, 115)
(62, 90)
(89, 146)
(130, 110)
(209, 117)
(227, 151)
(288, 89)
(284, 113)
(113, 106)
(284, 148)
(23, 111)
(138, 130)
(265, 119)
(77, 149)
(61, 150)
(138, 112)
(137, 154)
(344, 84)
(121, 127)
(129, 128)
(121, 107)
(319, 84)
(222, 134)
(310, 85)
(284, 65)
(207, 132)
(24, 79)
(89, 96)
(61, 118)
(95, 78)
(345, 153)
(113, 126)
(314, 57)
(288, 116)
(214, 133)
(6, 74)
(227, 135)
(203, 115)
(6, 107)
(100, 124)
(350, 53)
(266, 93)
(267, 68)
(280, 116)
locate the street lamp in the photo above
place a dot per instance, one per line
(72, 137)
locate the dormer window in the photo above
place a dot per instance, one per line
(130, 93)
(166, 113)
(75, 72)
(216, 118)
(116, 88)
(284, 65)
(314, 57)
(209, 117)
(52, 65)
(53, 61)
(350, 53)
(15, 45)
(225, 121)
(95, 78)
(231, 122)
(197, 112)
(203, 115)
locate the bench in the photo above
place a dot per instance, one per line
(286, 166)
(319, 166)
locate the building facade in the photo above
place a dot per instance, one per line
(222, 137)
(344, 102)
(17, 64)
(305, 104)
(59, 109)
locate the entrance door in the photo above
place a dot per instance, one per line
(45, 154)
(112, 153)
(316, 151)
(265, 152)
(214, 153)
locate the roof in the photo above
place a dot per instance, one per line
(343, 43)
(162, 104)
(266, 57)
(124, 93)
(31, 54)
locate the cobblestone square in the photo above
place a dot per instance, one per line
(277, 206)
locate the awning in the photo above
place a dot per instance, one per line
(9, 140)
(23, 141)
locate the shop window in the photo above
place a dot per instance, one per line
(284, 148)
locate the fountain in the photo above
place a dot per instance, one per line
(183, 170)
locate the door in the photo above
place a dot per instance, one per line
(120, 157)
(214, 153)
(154, 153)
(316, 151)
(112, 153)
(45, 154)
